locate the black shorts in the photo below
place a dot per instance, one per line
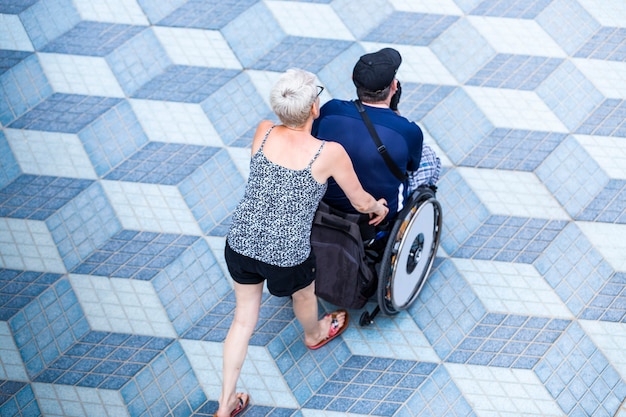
(281, 281)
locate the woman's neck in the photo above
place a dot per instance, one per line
(305, 128)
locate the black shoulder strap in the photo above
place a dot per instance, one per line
(381, 148)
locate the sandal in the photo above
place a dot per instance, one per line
(241, 406)
(334, 330)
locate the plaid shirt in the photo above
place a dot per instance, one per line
(428, 172)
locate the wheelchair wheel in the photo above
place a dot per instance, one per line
(410, 252)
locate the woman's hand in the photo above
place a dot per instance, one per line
(380, 213)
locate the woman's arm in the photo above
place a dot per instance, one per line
(342, 171)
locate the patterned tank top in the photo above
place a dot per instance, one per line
(272, 223)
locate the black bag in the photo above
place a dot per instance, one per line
(344, 277)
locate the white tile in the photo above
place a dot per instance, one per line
(446, 7)
(151, 207)
(28, 245)
(610, 338)
(609, 13)
(259, 375)
(56, 399)
(122, 306)
(428, 140)
(309, 20)
(263, 82)
(396, 337)
(513, 193)
(512, 288)
(325, 413)
(608, 239)
(609, 77)
(170, 122)
(112, 11)
(13, 36)
(515, 109)
(494, 391)
(50, 153)
(419, 65)
(241, 159)
(516, 36)
(85, 75)
(217, 243)
(11, 365)
(197, 47)
(608, 152)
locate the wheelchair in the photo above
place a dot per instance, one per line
(410, 246)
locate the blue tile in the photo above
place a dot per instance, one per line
(17, 399)
(608, 43)
(570, 95)
(211, 187)
(161, 163)
(15, 7)
(185, 84)
(92, 39)
(144, 267)
(9, 168)
(310, 54)
(206, 15)
(512, 149)
(113, 138)
(589, 384)
(419, 29)
(155, 11)
(28, 196)
(9, 59)
(138, 61)
(515, 9)
(24, 86)
(515, 72)
(419, 99)
(571, 287)
(67, 113)
(514, 240)
(45, 21)
(254, 20)
(463, 50)
(606, 120)
(516, 342)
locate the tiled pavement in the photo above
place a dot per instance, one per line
(124, 147)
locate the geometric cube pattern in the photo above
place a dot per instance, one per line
(125, 130)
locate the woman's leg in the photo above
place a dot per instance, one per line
(248, 304)
(305, 309)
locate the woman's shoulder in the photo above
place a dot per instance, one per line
(332, 150)
(264, 126)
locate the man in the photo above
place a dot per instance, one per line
(377, 88)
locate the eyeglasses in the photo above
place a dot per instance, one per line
(320, 92)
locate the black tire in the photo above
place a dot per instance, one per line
(422, 201)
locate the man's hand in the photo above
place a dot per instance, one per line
(395, 99)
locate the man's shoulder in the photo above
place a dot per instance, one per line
(399, 123)
(337, 105)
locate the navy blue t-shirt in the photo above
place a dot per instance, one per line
(340, 121)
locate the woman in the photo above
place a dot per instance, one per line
(270, 233)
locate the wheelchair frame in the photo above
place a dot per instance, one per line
(408, 255)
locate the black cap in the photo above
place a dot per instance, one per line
(377, 70)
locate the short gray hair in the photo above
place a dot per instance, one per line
(369, 96)
(293, 95)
